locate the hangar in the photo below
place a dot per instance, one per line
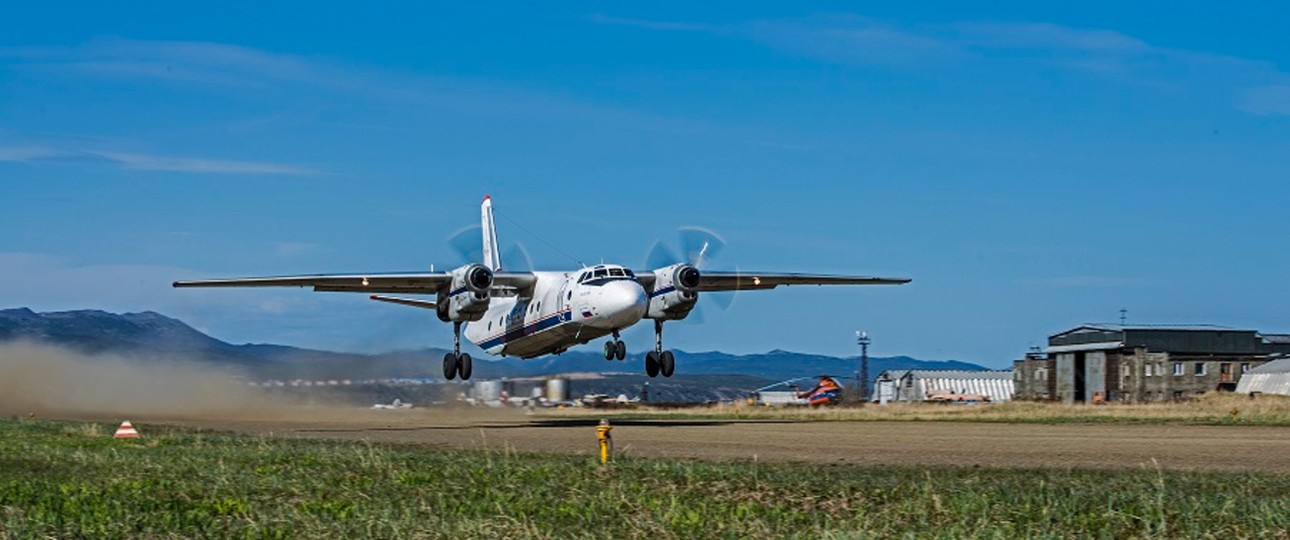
(1138, 363)
(1270, 378)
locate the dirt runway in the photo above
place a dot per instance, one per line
(1097, 446)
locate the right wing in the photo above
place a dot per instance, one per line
(742, 280)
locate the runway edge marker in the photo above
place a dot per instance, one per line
(126, 431)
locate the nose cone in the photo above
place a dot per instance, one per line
(620, 304)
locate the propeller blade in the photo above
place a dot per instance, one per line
(516, 259)
(720, 299)
(700, 245)
(659, 257)
(468, 243)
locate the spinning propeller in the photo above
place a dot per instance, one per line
(698, 246)
(467, 243)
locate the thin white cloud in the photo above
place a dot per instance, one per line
(648, 24)
(166, 60)
(1267, 100)
(145, 162)
(1086, 282)
(1254, 86)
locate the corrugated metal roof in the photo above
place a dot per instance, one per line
(1189, 327)
(1276, 338)
(1099, 346)
(1275, 366)
(960, 374)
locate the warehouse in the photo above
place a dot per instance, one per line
(947, 385)
(1093, 363)
(1270, 378)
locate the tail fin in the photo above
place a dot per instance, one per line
(491, 257)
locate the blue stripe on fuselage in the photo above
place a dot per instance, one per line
(534, 327)
(662, 291)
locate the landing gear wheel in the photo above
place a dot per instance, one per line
(449, 366)
(464, 367)
(651, 364)
(666, 363)
(620, 350)
(610, 350)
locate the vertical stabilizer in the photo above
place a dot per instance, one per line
(491, 258)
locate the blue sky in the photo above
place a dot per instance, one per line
(1031, 166)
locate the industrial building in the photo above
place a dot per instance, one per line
(1109, 362)
(1270, 378)
(945, 385)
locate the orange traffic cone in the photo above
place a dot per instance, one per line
(126, 431)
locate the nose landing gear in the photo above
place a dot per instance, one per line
(615, 349)
(659, 361)
(455, 363)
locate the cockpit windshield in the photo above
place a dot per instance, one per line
(601, 274)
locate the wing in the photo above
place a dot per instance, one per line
(742, 281)
(412, 283)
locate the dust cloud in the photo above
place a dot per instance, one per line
(54, 382)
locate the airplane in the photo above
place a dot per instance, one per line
(531, 314)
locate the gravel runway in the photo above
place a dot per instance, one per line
(1096, 446)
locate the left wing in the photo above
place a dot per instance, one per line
(413, 283)
(742, 281)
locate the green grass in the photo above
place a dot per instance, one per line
(73, 480)
(1213, 409)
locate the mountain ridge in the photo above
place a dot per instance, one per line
(151, 335)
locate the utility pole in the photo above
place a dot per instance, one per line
(862, 378)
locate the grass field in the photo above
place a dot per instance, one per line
(61, 479)
(1213, 409)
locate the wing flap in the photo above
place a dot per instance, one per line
(423, 304)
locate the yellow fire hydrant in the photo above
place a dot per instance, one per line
(605, 439)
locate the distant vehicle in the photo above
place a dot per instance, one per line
(396, 404)
(950, 397)
(530, 314)
(826, 393)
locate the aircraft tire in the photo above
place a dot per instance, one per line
(464, 367)
(666, 363)
(651, 364)
(620, 350)
(609, 350)
(449, 366)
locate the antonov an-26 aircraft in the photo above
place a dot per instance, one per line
(529, 314)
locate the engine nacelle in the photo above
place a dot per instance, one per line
(468, 296)
(675, 292)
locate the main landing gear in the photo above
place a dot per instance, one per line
(659, 361)
(455, 363)
(615, 349)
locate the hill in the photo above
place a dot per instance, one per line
(150, 335)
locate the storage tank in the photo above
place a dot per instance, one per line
(557, 390)
(488, 390)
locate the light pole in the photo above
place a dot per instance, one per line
(862, 378)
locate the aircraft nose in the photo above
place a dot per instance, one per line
(623, 302)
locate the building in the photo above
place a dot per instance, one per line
(1108, 362)
(1270, 378)
(926, 385)
(1032, 377)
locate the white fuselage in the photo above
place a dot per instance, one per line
(564, 309)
